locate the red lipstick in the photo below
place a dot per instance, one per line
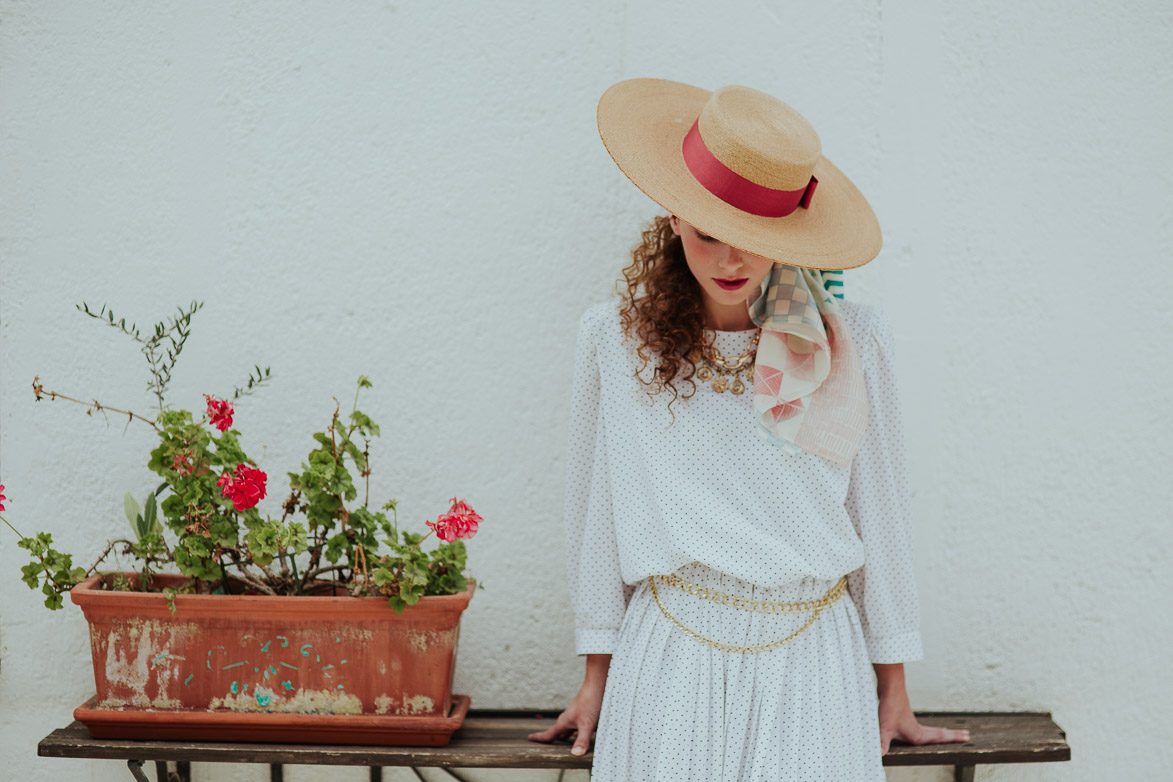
(731, 284)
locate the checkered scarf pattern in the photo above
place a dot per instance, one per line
(809, 390)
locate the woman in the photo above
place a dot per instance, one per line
(736, 503)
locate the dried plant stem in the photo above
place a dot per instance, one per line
(362, 558)
(333, 429)
(93, 567)
(110, 547)
(366, 473)
(260, 586)
(39, 391)
(312, 574)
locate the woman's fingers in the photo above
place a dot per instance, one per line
(930, 735)
(580, 717)
(582, 742)
(549, 734)
(921, 734)
(561, 728)
(568, 726)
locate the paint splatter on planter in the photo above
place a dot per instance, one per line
(299, 702)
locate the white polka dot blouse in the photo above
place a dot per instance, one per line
(646, 494)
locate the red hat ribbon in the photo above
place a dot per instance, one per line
(736, 190)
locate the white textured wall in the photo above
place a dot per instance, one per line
(414, 190)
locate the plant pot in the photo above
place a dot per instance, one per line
(259, 656)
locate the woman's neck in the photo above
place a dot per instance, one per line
(727, 318)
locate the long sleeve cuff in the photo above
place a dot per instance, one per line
(905, 648)
(595, 641)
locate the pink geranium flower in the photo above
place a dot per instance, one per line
(245, 486)
(219, 413)
(460, 521)
(2, 497)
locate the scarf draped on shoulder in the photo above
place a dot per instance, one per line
(809, 392)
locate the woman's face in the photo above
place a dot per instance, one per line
(730, 279)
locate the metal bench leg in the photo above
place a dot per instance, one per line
(163, 772)
(963, 773)
(376, 774)
(136, 770)
(276, 772)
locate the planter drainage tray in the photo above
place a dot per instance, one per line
(290, 728)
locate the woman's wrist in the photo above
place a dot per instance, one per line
(597, 666)
(889, 678)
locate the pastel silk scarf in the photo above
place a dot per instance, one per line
(808, 390)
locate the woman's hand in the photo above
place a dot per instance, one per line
(582, 715)
(896, 718)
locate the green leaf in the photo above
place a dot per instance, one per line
(364, 423)
(335, 547)
(132, 509)
(355, 454)
(170, 593)
(151, 516)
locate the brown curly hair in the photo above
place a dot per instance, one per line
(663, 309)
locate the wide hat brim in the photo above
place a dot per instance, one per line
(643, 123)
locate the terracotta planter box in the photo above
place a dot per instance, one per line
(258, 657)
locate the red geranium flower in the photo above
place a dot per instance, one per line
(219, 413)
(245, 487)
(460, 521)
(2, 497)
(182, 463)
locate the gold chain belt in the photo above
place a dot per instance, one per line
(815, 607)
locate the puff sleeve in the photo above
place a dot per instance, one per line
(598, 593)
(884, 589)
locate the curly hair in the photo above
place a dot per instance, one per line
(663, 309)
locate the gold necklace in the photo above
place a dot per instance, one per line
(716, 368)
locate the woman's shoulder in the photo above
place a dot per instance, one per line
(601, 320)
(866, 322)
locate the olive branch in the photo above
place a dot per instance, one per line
(162, 348)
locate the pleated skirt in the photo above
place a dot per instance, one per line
(677, 709)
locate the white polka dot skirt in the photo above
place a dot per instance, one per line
(678, 709)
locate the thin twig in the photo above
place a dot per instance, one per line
(362, 557)
(310, 574)
(39, 391)
(109, 548)
(260, 586)
(333, 427)
(366, 473)
(14, 529)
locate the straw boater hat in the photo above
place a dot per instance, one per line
(742, 167)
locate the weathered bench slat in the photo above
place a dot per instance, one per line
(497, 740)
(1013, 737)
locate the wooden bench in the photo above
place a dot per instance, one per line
(497, 739)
